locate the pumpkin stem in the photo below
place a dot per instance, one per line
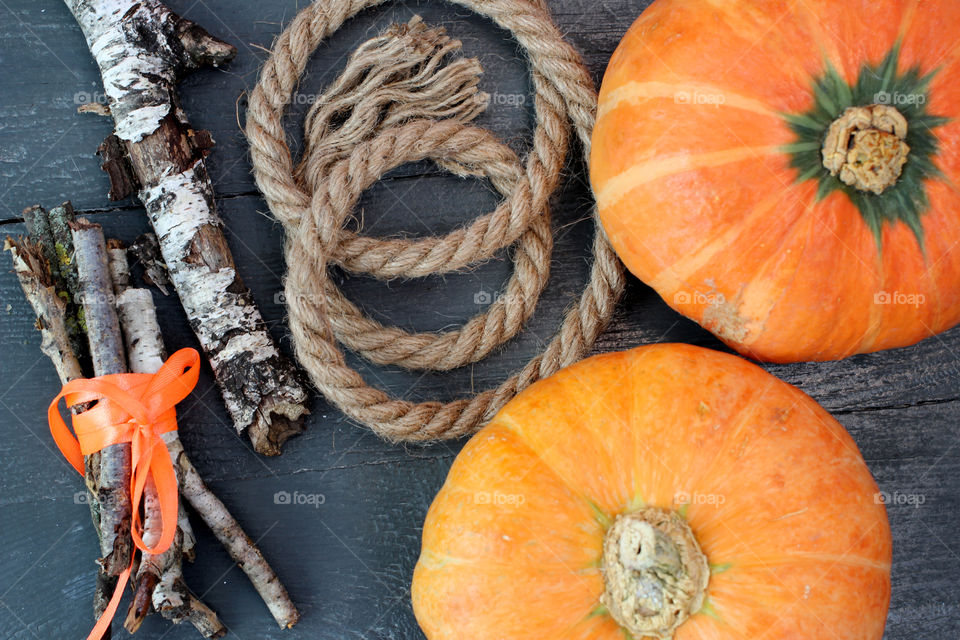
(654, 572)
(865, 147)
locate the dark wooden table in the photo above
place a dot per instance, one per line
(348, 557)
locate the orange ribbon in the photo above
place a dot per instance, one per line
(135, 408)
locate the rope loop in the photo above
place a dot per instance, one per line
(404, 97)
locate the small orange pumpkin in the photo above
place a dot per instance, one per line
(667, 490)
(786, 173)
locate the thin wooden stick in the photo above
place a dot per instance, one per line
(50, 309)
(158, 581)
(108, 353)
(146, 354)
(50, 231)
(43, 291)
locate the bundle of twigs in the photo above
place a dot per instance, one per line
(94, 322)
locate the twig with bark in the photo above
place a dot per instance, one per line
(146, 353)
(158, 581)
(142, 49)
(109, 356)
(50, 231)
(50, 283)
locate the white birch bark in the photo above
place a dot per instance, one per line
(146, 354)
(159, 580)
(142, 48)
(109, 356)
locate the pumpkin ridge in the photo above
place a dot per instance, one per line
(768, 568)
(566, 382)
(835, 564)
(870, 330)
(428, 556)
(825, 39)
(906, 20)
(872, 333)
(505, 420)
(932, 289)
(825, 420)
(735, 18)
(631, 92)
(678, 274)
(639, 409)
(617, 187)
(560, 566)
(805, 219)
(790, 558)
(743, 420)
(953, 58)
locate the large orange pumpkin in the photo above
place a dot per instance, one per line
(786, 173)
(648, 486)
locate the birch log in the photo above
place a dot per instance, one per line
(142, 48)
(146, 354)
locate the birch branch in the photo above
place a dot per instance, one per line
(43, 287)
(158, 581)
(50, 308)
(146, 354)
(234, 539)
(108, 354)
(142, 48)
(51, 235)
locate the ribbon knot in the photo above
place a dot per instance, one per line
(137, 408)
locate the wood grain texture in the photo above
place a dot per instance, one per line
(348, 560)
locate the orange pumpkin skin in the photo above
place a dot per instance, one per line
(777, 494)
(700, 199)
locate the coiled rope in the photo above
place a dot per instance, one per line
(401, 99)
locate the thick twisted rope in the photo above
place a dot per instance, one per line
(399, 101)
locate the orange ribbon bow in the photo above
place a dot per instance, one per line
(135, 408)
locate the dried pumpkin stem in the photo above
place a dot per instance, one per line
(654, 572)
(865, 147)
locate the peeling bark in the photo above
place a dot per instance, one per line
(142, 48)
(114, 162)
(50, 308)
(146, 251)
